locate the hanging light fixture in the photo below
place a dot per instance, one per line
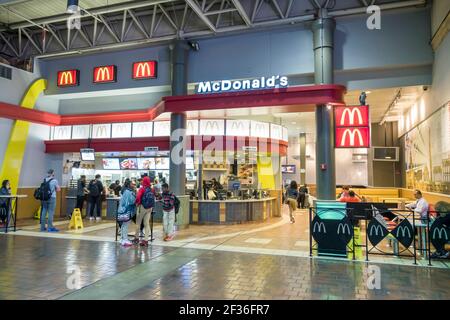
(72, 6)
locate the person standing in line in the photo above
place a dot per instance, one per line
(5, 203)
(291, 199)
(168, 206)
(145, 201)
(302, 192)
(127, 206)
(96, 189)
(48, 206)
(81, 192)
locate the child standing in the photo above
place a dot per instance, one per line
(168, 205)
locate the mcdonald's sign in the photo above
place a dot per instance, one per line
(352, 137)
(105, 74)
(68, 78)
(351, 116)
(144, 70)
(352, 127)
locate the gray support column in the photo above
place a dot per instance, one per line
(323, 36)
(178, 120)
(302, 142)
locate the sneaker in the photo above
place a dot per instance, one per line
(135, 241)
(91, 218)
(98, 219)
(144, 243)
(169, 238)
(43, 230)
(165, 238)
(126, 243)
(141, 235)
(53, 229)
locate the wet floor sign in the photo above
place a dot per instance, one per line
(358, 242)
(76, 222)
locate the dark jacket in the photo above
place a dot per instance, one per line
(292, 193)
(80, 188)
(4, 192)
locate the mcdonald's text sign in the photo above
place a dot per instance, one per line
(68, 78)
(352, 127)
(144, 70)
(105, 74)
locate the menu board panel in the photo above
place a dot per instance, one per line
(128, 163)
(162, 163)
(146, 163)
(111, 163)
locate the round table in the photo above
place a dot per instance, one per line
(13, 204)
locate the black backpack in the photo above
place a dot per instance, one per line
(148, 199)
(43, 193)
(93, 189)
(176, 204)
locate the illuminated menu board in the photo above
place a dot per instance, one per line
(111, 163)
(162, 163)
(128, 164)
(146, 163)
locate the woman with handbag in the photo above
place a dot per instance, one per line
(126, 211)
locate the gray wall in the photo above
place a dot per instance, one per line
(385, 173)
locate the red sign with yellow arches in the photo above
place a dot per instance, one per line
(352, 127)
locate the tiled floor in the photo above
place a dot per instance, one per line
(37, 268)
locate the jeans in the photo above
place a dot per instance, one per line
(48, 207)
(124, 231)
(143, 215)
(168, 222)
(80, 202)
(95, 202)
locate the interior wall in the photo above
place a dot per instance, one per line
(385, 173)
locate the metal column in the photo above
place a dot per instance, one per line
(323, 33)
(178, 120)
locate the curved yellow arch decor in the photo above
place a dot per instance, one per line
(12, 161)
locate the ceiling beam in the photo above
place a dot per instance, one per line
(242, 12)
(201, 15)
(9, 44)
(30, 38)
(138, 24)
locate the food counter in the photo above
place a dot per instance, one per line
(232, 211)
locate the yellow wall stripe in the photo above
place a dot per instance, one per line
(266, 175)
(12, 161)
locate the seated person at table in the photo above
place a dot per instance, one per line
(443, 208)
(4, 202)
(350, 198)
(344, 192)
(420, 206)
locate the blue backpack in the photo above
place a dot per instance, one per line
(148, 199)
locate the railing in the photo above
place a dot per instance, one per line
(332, 231)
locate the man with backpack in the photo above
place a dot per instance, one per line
(145, 201)
(170, 206)
(47, 194)
(96, 189)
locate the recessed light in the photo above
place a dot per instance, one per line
(294, 122)
(367, 92)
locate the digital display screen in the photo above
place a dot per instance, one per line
(162, 163)
(128, 164)
(111, 163)
(288, 169)
(87, 154)
(146, 163)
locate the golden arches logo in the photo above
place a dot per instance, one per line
(352, 133)
(102, 74)
(67, 78)
(351, 112)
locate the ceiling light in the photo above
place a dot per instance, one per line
(294, 122)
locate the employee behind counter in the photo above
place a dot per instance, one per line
(214, 190)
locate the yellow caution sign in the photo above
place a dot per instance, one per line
(37, 214)
(358, 249)
(76, 222)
